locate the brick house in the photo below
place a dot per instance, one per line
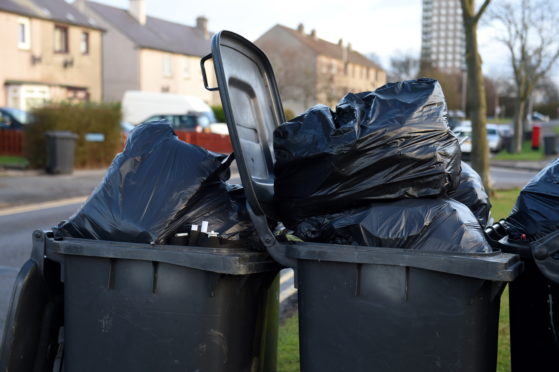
(310, 70)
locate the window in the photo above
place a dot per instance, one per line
(84, 43)
(24, 37)
(186, 69)
(60, 39)
(167, 65)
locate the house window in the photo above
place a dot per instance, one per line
(84, 43)
(167, 65)
(186, 69)
(24, 37)
(60, 39)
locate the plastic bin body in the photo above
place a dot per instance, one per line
(366, 316)
(129, 315)
(386, 318)
(550, 145)
(61, 147)
(534, 322)
(141, 307)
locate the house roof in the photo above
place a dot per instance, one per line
(329, 49)
(156, 33)
(54, 10)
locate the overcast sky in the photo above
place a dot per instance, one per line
(383, 27)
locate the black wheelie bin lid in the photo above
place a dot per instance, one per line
(253, 109)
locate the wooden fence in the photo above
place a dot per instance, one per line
(11, 141)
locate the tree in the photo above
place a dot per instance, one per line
(403, 66)
(476, 101)
(529, 32)
(451, 83)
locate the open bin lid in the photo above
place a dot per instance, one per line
(253, 110)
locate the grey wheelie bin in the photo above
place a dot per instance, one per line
(533, 301)
(61, 146)
(91, 305)
(360, 308)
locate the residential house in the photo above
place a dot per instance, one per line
(310, 70)
(49, 51)
(149, 54)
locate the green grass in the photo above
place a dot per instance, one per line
(17, 161)
(527, 154)
(288, 355)
(288, 345)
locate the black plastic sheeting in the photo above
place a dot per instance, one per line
(158, 186)
(471, 192)
(392, 143)
(536, 212)
(441, 225)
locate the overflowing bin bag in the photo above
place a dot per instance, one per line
(157, 184)
(223, 207)
(429, 224)
(391, 143)
(471, 192)
(536, 212)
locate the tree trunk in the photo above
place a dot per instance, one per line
(477, 105)
(519, 117)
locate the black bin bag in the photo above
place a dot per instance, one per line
(471, 192)
(536, 212)
(155, 187)
(437, 225)
(391, 143)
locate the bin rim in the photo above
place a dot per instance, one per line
(234, 261)
(61, 134)
(495, 266)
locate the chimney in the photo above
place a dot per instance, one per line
(313, 34)
(341, 43)
(202, 26)
(137, 8)
(301, 28)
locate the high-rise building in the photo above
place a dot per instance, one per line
(443, 42)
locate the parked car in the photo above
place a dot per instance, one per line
(494, 139)
(539, 117)
(464, 134)
(187, 122)
(12, 118)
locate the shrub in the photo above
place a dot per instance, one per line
(79, 119)
(219, 114)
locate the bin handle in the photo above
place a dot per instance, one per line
(273, 247)
(204, 76)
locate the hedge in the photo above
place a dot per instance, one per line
(80, 119)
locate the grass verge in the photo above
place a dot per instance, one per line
(527, 154)
(13, 161)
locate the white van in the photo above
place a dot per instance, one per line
(183, 112)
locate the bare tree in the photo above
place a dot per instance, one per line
(529, 31)
(403, 66)
(476, 101)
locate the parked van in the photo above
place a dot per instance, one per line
(182, 112)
